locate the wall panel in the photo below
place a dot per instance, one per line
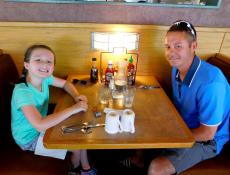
(72, 45)
(225, 49)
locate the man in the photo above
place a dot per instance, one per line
(201, 94)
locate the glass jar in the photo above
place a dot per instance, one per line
(120, 78)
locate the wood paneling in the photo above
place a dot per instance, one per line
(225, 49)
(72, 44)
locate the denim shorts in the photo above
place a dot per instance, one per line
(30, 146)
(185, 158)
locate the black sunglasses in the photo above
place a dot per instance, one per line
(83, 82)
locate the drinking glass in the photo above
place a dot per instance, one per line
(129, 96)
(104, 95)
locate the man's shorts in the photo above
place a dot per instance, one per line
(184, 158)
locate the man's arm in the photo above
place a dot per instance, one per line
(204, 132)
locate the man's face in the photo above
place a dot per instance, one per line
(179, 50)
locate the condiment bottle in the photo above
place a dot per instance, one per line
(131, 71)
(94, 71)
(109, 72)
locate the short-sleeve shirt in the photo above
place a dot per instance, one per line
(23, 95)
(203, 97)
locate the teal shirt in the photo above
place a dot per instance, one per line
(23, 132)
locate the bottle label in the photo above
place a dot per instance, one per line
(94, 75)
(108, 77)
(131, 76)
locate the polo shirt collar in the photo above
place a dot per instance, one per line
(191, 72)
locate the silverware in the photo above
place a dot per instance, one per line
(96, 125)
(92, 122)
(148, 87)
(66, 129)
(78, 127)
(84, 128)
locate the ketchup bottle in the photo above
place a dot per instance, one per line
(109, 72)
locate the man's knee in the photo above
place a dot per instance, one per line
(161, 166)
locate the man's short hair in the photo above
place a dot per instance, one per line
(183, 26)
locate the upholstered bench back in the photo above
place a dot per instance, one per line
(223, 62)
(8, 76)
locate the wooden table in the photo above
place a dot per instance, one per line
(157, 123)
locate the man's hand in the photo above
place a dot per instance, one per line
(204, 132)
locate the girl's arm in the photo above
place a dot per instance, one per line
(69, 88)
(41, 124)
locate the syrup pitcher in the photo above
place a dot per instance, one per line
(112, 123)
(127, 121)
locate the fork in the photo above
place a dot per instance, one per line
(148, 87)
(84, 128)
(91, 122)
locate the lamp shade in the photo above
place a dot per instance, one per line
(108, 41)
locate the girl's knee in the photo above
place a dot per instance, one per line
(75, 152)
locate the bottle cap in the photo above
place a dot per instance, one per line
(110, 62)
(94, 59)
(131, 59)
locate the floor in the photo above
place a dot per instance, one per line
(107, 162)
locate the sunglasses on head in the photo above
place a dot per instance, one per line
(83, 82)
(186, 25)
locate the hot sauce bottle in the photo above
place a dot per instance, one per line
(131, 71)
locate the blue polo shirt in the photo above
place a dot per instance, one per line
(203, 97)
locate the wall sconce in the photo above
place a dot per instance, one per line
(115, 43)
(107, 41)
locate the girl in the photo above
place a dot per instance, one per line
(30, 103)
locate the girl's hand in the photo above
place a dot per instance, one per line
(80, 106)
(81, 98)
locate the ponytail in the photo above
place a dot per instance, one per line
(22, 79)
